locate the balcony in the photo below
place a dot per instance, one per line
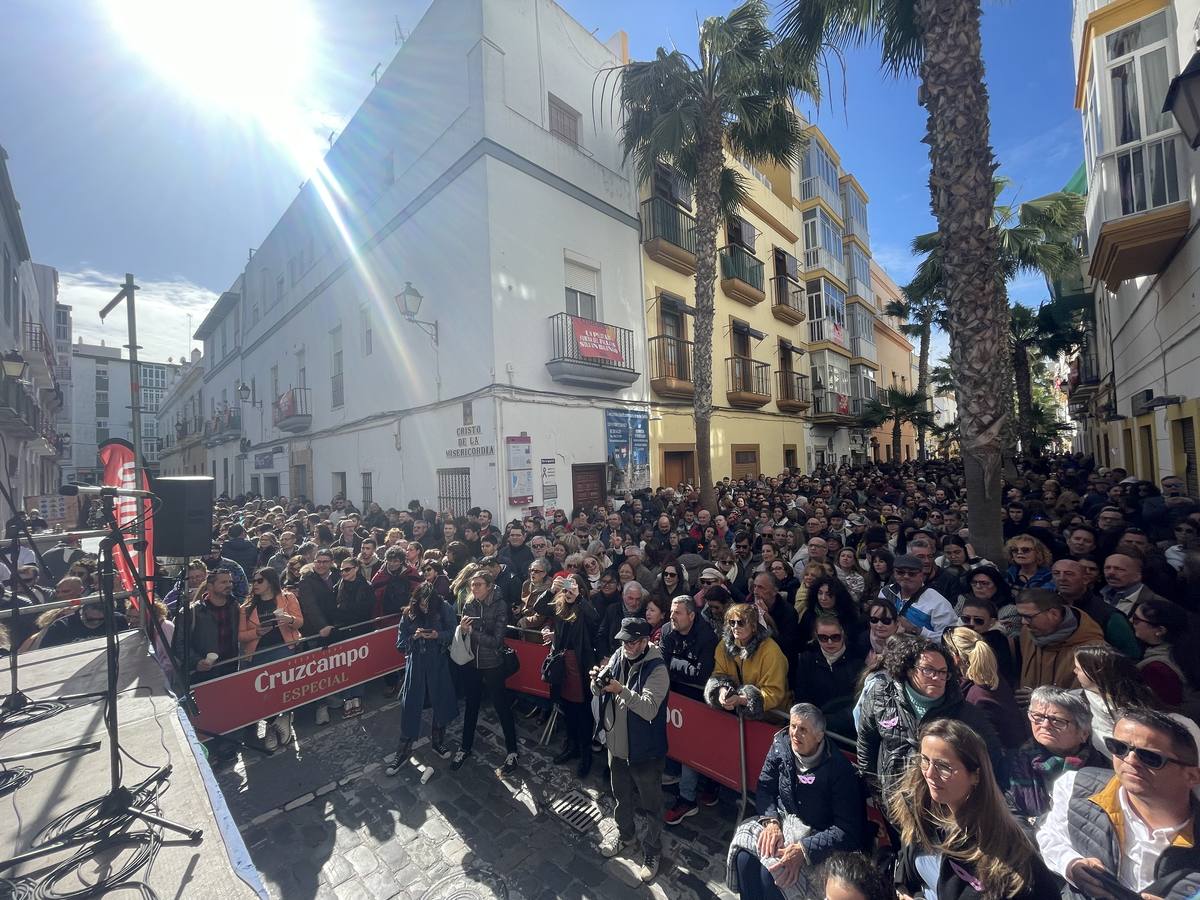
(826, 330)
(669, 235)
(749, 382)
(860, 288)
(853, 227)
(787, 300)
(39, 350)
(291, 411)
(742, 275)
(224, 426)
(819, 258)
(831, 408)
(794, 395)
(671, 367)
(864, 350)
(1138, 209)
(20, 415)
(590, 353)
(819, 189)
(1084, 378)
(62, 374)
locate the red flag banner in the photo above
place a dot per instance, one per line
(596, 340)
(116, 457)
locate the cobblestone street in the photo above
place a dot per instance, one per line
(322, 819)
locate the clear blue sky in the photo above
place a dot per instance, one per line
(119, 170)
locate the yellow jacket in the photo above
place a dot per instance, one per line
(758, 672)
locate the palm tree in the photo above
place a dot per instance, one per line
(1045, 333)
(918, 314)
(905, 406)
(685, 113)
(940, 41)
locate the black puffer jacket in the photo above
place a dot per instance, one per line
(487, 635)
(887, 734)
(355, 605)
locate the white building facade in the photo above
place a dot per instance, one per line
(1134, 388)
(181, 421)
(30, 443)
(101, 407)
(476, 174)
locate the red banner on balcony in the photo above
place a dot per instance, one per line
(596, 340)
(843, 404)
(120, 471)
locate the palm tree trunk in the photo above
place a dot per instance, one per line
(707, 220)
(923, 382)
(896, 423)
(1024, 386)
(962, 198)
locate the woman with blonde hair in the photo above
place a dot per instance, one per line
(812, 571)
(984, 687)
(460, 587)
(1030, 563)
(750, 671)
(957, 837)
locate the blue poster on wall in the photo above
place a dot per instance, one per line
(627, 433)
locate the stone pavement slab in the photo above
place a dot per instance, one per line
(322, 820)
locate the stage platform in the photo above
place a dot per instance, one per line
(153, 732)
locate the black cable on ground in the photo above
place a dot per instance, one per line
(14, 779)
(17, 888)
(145, 845)
(30, 713)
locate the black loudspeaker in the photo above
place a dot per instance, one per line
(184, 519)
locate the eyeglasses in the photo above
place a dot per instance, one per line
(880, 620)
(1022, 549)
(708, 581)
(940, 769)
(1151, 759)
(974, 620)
(982, 582)
(1136, 619)
(349, 568)
(936, 674)
(829, 638)
(1029, 617)
(737, 623)
(1058, 723)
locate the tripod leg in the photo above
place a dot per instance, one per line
(193, 834)
(86, 748)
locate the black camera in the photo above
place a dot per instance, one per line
(604, 679)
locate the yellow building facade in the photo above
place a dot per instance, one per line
(895, 365)
(793, 353)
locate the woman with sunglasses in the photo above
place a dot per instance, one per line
(575, 623)
(426, 629)
(1110, 682)
(826, 674)
(1136, 822)
(958, 840)
(987, 583)
(269, 624)
(1029, 563)
(672, 581)
(881, 624)
(536, 592)
(355, 606)
(750, 673)
(1062, 742)
(1170, 666)
(785, 577)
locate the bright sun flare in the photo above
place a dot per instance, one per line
(243, 56)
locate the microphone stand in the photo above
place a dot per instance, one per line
(120, 802)
(18, 709)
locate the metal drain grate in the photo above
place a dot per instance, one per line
(578, 810)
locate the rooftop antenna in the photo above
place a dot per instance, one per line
(401, 36)
(331, 134)
(189, 337)
(375, 72)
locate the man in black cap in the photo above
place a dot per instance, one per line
(632, 689)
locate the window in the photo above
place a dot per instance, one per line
(337, 385)
(274, 383)
(1138, 75)
(820, 231)
(279, 288)
(102, 405)
(368, 339)
(819, 164)
(853, 206)
(454, 490)
(860, 266)
(301, 370)
(101, 431)
(339, 484)
(367, 496)
(224, 338)
(582, 288)
(9, 279)
(264, 282)
(564, 121)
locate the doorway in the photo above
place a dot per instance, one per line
(587, 485)
(679, 467)
(270, 486)
(745, 461)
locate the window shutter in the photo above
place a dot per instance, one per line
(582, 279)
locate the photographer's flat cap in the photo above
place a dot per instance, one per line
(633, 629)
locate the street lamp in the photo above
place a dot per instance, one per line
(14, 364)
(244, 392)
(409, 301)
(1183, 101)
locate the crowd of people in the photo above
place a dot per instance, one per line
(952, 726)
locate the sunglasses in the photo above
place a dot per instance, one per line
(1022, 549)
(829, 638)
(670, 574)
(737, 623)
(1151, 759)
(974, 620)
(880, 620)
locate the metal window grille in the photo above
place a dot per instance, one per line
(564, 121)
(454, 490)
(367, 495)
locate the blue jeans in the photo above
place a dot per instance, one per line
(691, 781)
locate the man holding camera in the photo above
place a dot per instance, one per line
(632, 688)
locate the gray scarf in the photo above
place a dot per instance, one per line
(1069, 623)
